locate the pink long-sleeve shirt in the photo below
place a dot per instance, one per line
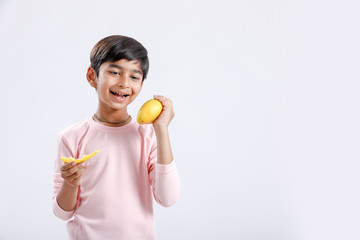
(115, 195)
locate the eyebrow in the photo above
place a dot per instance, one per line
(120, 67)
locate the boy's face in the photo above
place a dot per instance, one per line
(118, 83)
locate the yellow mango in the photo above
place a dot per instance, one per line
(149, 111)
(80, 160)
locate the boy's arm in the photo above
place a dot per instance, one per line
(71, 173)
(163, 173)
(66, 181)
(67, 197)
(164, 153)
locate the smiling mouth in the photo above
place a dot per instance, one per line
(119, 94)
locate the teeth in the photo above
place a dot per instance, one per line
(120, 94)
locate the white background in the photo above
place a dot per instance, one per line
(266, 94)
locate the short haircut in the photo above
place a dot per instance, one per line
(117, 47)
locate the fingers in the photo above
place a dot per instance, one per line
(76, 175)
(71, 171)
(67, 166)
(164, 100)
(167, 114)
(167, 104)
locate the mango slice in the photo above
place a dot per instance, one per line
(80, 160)
(149, 111)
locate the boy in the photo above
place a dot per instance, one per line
(110, 195)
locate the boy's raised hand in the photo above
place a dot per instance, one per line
(72, 173)
(167, 113)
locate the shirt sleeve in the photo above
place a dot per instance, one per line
(164, 179)
(63, 149)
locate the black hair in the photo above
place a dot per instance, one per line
(116, 47)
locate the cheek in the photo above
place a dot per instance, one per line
(104, 84)
(103, 90)
(137, 89)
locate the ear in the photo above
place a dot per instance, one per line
(91, 77)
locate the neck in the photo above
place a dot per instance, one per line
(112, 119)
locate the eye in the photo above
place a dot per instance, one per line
(135, 77)
(115, 73)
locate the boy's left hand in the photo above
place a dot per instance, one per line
(167, 113)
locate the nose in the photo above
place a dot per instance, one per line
(123, 81)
